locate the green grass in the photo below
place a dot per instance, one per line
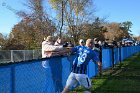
(123, 78)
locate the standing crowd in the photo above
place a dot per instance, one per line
(85, 51)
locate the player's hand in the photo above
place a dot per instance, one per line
(100, 68)
(99, 63)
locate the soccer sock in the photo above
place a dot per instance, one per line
(87, 92)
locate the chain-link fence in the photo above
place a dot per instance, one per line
(18, 55)
(49, 75)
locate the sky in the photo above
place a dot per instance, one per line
(120, 11)
(113, 10)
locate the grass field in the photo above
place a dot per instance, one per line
(123, 78)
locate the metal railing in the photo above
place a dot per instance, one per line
(7, 56)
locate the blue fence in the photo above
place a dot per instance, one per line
(32, 77)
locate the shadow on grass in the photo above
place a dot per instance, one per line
(123, 78)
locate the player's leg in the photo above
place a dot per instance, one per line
(84, 81)
(70, 84)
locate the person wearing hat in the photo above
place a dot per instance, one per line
(81, 42)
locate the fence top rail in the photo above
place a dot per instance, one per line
(29, 61)
(34, 60)
(19, 50)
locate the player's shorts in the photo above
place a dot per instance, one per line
(78, 79)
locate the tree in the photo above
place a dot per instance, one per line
(59, 5)
(34, 26)
(99, 28)
(75, 13)
(38, 17)
(27, 35)
(138, 38)
(125, 26)
(1, 40)
(114, 32)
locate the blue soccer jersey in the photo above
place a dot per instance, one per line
(83, 56)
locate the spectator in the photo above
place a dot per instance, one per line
(53, 66)
(58, 42)
(81, 42)
(78, 74)
(49, 49)
(114, 44)
(98, 48)
(105, 44)
(96, 45)
(70, 44)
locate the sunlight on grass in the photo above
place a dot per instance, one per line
(123, 78)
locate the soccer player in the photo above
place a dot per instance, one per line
(78, 74)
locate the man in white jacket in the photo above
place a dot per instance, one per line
(49, 49)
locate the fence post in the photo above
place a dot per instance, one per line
(100, 56)
(112, 56)
(24, 54)
(33, 54)
(120, 54)
(12, 60)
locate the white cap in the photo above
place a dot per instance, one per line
(81, 40)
